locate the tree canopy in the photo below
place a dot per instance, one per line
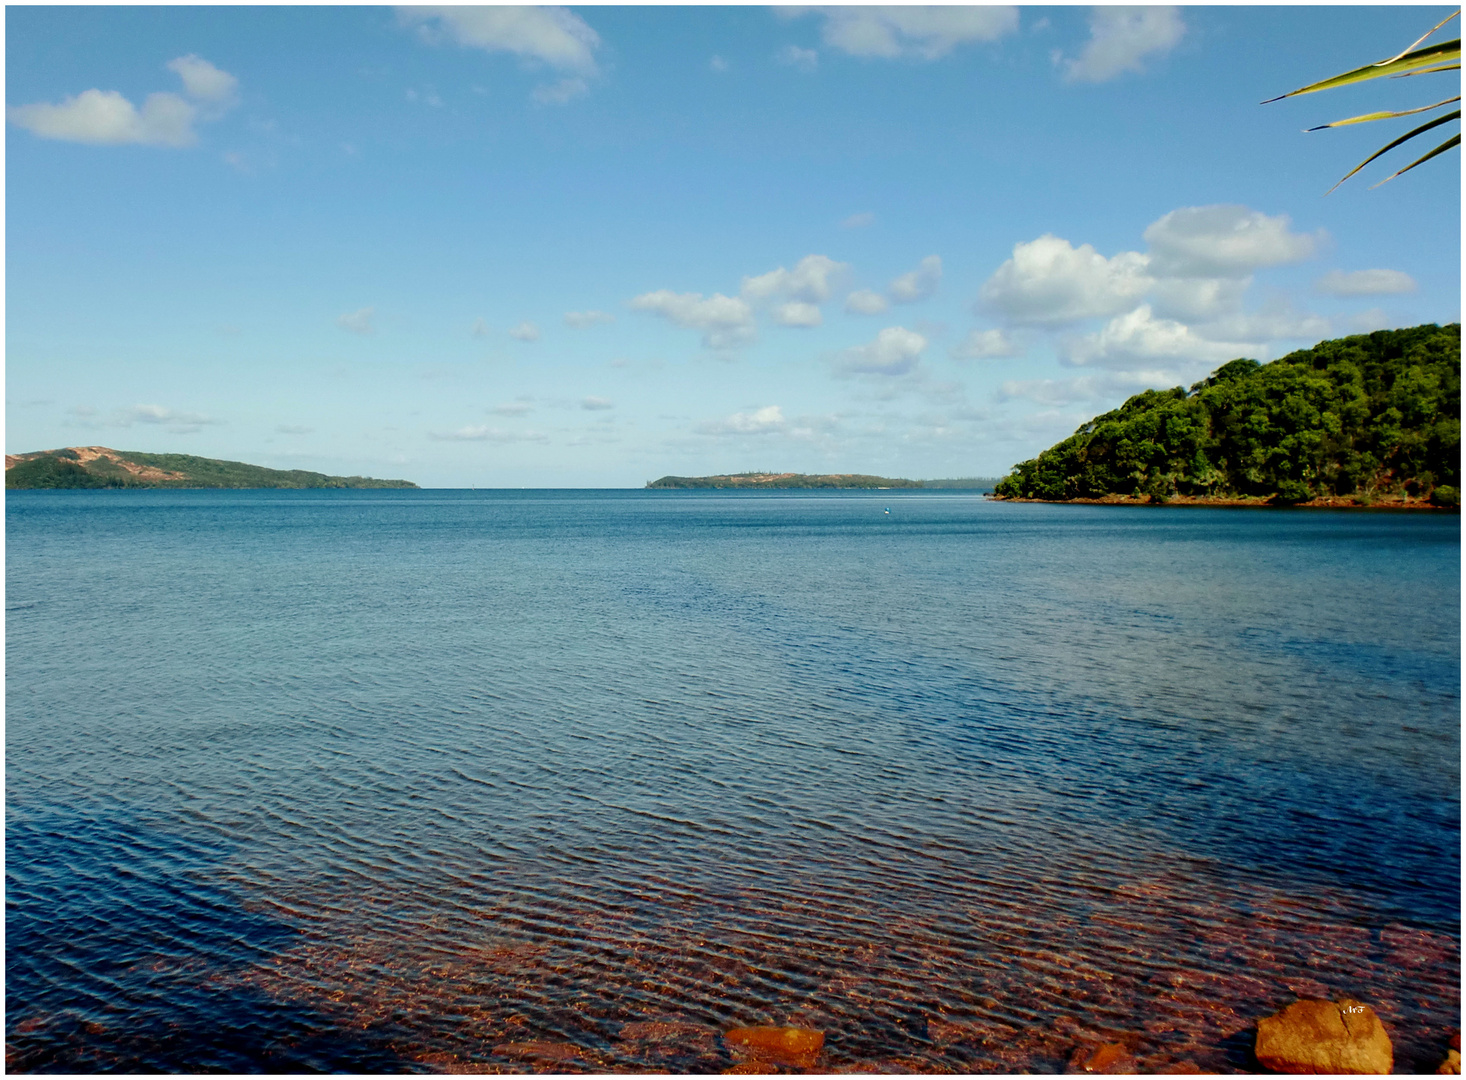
(1360, 417)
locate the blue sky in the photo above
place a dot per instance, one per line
(592, 246)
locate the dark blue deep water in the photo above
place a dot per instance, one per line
(445, 780)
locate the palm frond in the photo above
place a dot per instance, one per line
(1439, 120)
(1382, 115)
(1454, 140)
(1430, 56)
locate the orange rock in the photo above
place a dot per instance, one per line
(1109, 1058)
(539, 1050)
(796, 1047)
(1343, 1036)
(1452, 1065)
(750, 1067)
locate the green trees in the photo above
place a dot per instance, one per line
(1362, 416)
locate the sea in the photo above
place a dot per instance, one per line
(577, 781)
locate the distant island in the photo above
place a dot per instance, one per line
(765, 480)
(1369, 420)
(100, 467)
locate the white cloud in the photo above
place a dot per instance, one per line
(763, 421)
(866, 302)
(895, 351)
(1085, 388)
(551, 35)
(805, 60)
(810, 281)
(1049, 281)
(558, 93)
(1365, 283)
(796, 313)
(1198, 298)
(579, 320)
(595, 404)
(924, 32)
(920, 283)
(726, 322)
(427, 97)
(204, 82)
(986, 345)
(179, 423)
(1275, 320)
(718, 64)
(485, 433)
(858, 221)
(480, 329)
(1138, 338)
(512, 408)
(1223, 241)
(1120, 37)
(525, 331)
(105, 117)
(358, 322)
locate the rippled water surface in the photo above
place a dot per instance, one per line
(467, 781)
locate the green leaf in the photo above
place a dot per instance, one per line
(1439, 120)
(1430, 56)
(1454, 140)
(1428, 71)
(1382, 115)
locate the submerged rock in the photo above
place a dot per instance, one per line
(1109, 1058)
(1343, 1036)
(795, 1047)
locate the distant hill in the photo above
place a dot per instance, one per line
(100, 467)
(782, 480)
(1373, 419)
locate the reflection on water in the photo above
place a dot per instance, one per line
(438, 782)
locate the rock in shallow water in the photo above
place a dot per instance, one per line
(796, 1047)
(1341, 1036)
(1452, 1065)
(1108, 1058)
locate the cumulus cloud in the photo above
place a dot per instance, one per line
(986, 345)
(805, 60)
(895, 351)
(202, 81)
(525, 331)
(866, 302)
(1139, 339)
(179, 423)
(1224, 241)
(796, 313)
(1049, 281)
(1198, 298)
(551, 35)
(922, 32)
(596, 404)
(105, 117)
(726, 322)
(811, 281)
(486, 433)
(358, 322)
(1365, 283)
(579, 320)
(920, 283)
(1276, 320)
(1120, 38)
(763, 421)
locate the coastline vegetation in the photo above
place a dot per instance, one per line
(1369, 419)
(100, 467)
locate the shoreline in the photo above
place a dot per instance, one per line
(1257, 503)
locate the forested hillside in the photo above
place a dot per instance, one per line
(1370, 418)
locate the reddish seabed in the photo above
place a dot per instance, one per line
(981, 979)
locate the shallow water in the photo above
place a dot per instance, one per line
(488, 780)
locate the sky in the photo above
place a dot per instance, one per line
(592, 246)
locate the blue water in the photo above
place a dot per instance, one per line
(424, 780)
